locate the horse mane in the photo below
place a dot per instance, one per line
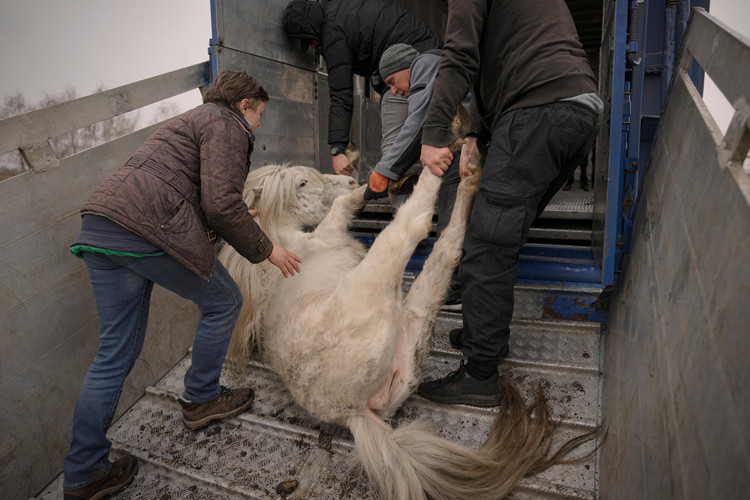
(266, 192)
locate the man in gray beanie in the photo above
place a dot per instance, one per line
(351, 36)
(396, 58)
(395, 68)
(412, 75)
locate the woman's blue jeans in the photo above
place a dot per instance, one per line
(122, 288)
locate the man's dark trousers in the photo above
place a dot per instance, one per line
(531, 154)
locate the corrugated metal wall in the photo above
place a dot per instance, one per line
(675, 385)
(49, 329)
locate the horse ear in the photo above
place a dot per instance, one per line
(252, 197)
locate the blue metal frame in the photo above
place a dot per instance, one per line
(618, 130)
(538, 263)
(213, 44)
(573, 267)
(646, 40)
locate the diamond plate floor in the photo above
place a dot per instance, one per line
(276, 450)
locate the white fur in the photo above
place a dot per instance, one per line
(347, 343)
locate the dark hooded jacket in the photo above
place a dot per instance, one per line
(516, 54)
(183, 187)
(353, 36)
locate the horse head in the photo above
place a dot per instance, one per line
(298, 195)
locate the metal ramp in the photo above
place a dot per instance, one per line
(276, 450)
(567, 219)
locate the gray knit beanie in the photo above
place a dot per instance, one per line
(395, 58)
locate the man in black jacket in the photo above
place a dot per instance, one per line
(352, 36)
(536, 113)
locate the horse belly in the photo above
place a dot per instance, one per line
(333, 358)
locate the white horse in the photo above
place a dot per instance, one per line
(351, 348)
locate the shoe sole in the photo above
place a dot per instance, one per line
(117, 488)
(475, 400)
(451, 307)
(198, 424)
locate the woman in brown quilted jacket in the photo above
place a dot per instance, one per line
(154, 220)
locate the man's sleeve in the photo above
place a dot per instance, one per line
(341, 90)
(406, 147)
(458, 67)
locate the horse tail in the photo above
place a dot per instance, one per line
(413, 463)
(246, 337)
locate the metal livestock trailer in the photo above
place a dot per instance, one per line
(631, 302)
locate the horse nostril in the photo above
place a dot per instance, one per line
(353, 183)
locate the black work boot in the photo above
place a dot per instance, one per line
(459, 387)
(228, 403)
(119, 476)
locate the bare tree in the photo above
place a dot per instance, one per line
(76, 140)
(11, 163)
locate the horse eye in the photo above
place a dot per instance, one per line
(302, 183)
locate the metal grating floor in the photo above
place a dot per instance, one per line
(573, 204)
(277, 444)
(567, 218)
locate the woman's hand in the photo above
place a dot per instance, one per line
(436, 159)
(284, 260)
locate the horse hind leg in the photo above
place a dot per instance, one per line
(427, 293)
(431, 285)
(394, 246)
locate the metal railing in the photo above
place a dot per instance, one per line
(723, 53)
(30, 133)
(48, 319)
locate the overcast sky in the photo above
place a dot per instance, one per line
(46, 45)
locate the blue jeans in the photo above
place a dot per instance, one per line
(122, 287)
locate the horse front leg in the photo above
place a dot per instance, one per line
(390, 252)
(422, 303)
(332, 230)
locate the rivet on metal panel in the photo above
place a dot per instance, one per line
(627, 201)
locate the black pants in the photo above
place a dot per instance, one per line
(531, 154)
